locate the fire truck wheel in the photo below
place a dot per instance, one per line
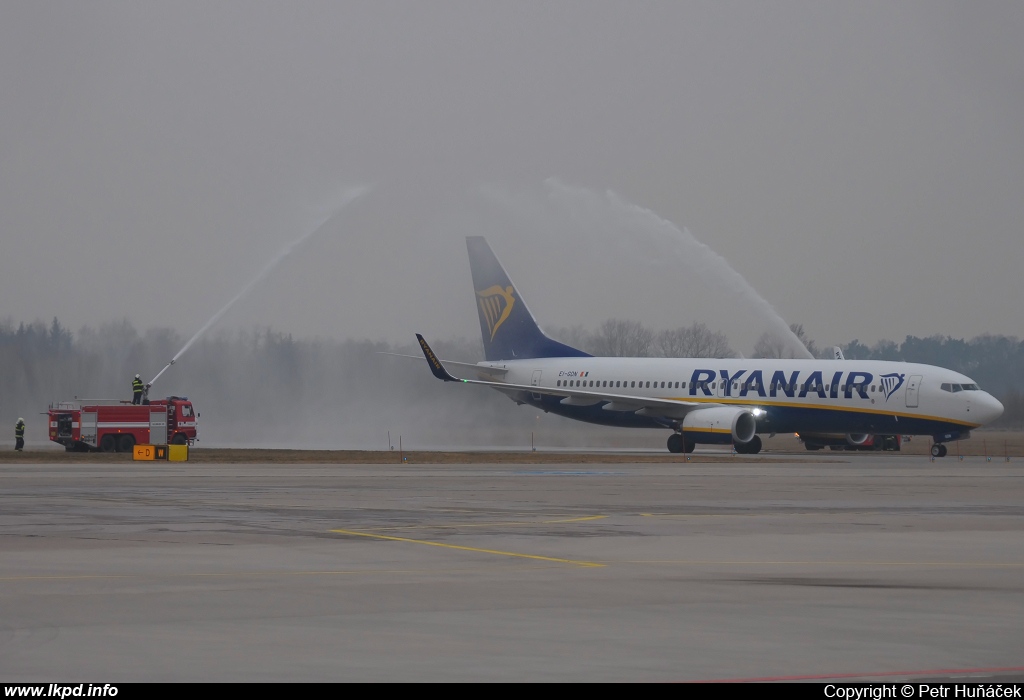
(179, 439)
(126, 443)
(108, 443)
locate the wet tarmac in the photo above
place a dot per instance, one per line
(868, 566)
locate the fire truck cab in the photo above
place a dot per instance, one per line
(117, 426)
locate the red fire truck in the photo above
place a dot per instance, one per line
(117, 426)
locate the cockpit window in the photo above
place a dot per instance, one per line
(955, 388)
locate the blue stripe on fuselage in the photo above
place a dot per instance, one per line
(779, 419)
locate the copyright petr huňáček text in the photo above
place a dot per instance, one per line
(922, 690)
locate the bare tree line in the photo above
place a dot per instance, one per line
(622, 338)
(264, 387)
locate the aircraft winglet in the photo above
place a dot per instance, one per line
(435, 364)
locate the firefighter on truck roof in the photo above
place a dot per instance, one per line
(137, 388)
(19, 434)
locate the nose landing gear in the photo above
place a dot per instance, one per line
(938, 450)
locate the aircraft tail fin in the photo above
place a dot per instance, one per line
(508, 328)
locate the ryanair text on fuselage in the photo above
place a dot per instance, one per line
(751, 382)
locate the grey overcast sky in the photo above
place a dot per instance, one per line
(861, 164)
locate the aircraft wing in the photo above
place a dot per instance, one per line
(643, 405)
(466, 365)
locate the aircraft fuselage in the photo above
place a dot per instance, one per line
(785, 395)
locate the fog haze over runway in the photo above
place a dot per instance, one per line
(860, 165)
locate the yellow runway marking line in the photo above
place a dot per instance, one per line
(581, 519)
(678, 516)
(490, 524)
(519, 555)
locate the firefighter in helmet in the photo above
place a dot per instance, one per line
(137, 389)
(19, 434)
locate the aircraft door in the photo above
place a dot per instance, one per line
(535, 381)
(722, 388)
(913, 385)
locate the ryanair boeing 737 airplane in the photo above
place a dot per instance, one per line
(705, 400)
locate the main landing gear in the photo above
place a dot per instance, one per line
(749, 448)
(676, 443)
(938, 450)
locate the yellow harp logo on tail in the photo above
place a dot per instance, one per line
(496, 305)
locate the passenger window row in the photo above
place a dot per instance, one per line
(753, 386)
(619, 383)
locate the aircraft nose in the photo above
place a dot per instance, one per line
(988, 408)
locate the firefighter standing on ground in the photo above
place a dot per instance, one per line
(137, 389)
(19, 434)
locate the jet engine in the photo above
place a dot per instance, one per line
(723, 424)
